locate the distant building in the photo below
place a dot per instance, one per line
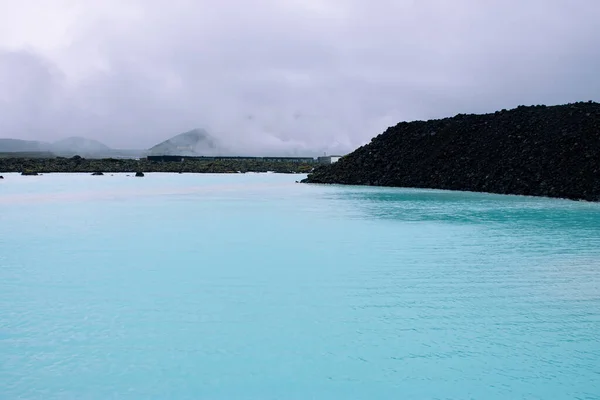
(328, 159)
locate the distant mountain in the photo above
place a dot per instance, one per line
(17, 145)
(196, 142)
(80, 146)
(87, 148)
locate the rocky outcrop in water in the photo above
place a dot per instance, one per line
(139, 174)
(29, 173)
(538, 150)
(97, 173)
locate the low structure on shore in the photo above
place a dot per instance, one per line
(176, 158)
(328, 159)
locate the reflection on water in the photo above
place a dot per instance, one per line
(577, 224)
(467, 207)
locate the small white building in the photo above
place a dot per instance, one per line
(328, 159)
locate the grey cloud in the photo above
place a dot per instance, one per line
(311, 76)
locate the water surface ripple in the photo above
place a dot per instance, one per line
(249, 286)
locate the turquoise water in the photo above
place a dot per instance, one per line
(249, 286)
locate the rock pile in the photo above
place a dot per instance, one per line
(538, 150)
(112, 165)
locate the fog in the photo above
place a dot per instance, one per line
(306, 76)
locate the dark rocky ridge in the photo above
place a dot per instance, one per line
(111, 165)
(538, 150)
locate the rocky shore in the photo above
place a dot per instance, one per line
(538, 150)
(30, 166)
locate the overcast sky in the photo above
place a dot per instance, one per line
(282, 74)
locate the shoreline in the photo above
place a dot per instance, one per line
(81, 165)
(533, 151)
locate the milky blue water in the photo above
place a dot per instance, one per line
(249, 286)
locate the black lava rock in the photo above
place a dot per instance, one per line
(17, 163)
(139, 173)
(538, 150)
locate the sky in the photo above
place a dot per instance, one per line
(283, 75)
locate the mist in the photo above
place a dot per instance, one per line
(291, 76)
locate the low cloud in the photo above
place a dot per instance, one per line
(269, 76)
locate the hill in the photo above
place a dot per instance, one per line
(538, 150)
(68, 147)
(17, 145)
(80, 146)
(196, 142)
